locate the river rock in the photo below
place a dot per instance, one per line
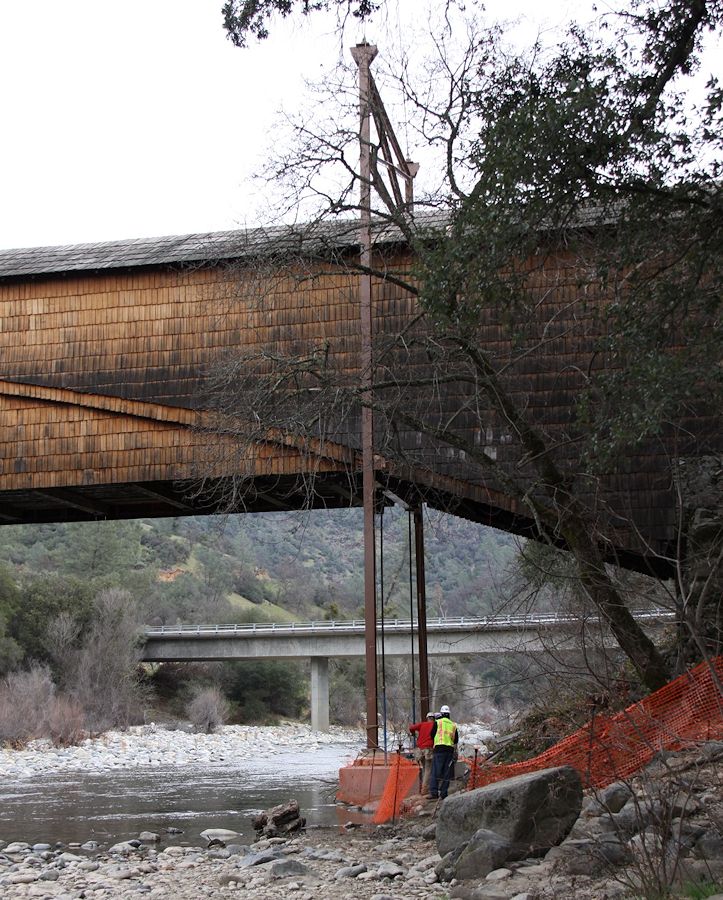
(219, 834)
(585, 857)
(258, 859)
(16, 847)
(149, 837)
(485, 852)
(533, 812)
(279, 820)
(125, 846)
(280, 868)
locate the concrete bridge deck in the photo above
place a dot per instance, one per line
(320, 641)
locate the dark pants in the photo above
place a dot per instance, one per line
(442, 766)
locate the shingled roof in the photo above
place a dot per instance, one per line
(186, 250)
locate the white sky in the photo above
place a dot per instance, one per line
(139, 118)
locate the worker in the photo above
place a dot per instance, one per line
(445, 738)
(423, 750)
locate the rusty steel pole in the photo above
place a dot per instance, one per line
(363, 55)
(421, 612)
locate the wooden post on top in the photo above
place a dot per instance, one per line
(363, 55)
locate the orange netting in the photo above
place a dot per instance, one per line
(609, 748)
(403, 773)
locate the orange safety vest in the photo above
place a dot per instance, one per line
(444, 736)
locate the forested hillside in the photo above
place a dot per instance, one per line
(260, 567)
(68, 590)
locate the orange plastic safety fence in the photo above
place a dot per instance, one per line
(403, 773)
(609, 748)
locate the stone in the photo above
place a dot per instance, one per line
(635, 816)
(499, 875)
(120, 873)
(709, 845)
(445, 868)
(258, 859)
(483, 853)
(49, 875)
(125, 847)
(219, 834)
(16, 847)
(533, 812)
(610, 799)
(587, 857)
(350, 871)
(389, 870)
(149, 837)
(282, 819)
(280, 868)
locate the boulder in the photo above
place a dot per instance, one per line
(533, 812)
(485, 852)
(581, 857)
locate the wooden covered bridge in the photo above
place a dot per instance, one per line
(106, 351)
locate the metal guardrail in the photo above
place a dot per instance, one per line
(356, 626)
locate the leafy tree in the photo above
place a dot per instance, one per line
(10, 651)
(244, 16)
(264, 689)
(592, 163)
(42, 600)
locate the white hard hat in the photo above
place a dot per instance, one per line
(444, 710)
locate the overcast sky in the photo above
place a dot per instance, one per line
(139, 118)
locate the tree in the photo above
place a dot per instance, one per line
(10, 651)
(581, 203)
(244, 16)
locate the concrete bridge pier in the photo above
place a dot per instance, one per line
(319, 693)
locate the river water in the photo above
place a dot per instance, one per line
(113, 806)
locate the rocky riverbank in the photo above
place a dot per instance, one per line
(631, 840)
(151, 746)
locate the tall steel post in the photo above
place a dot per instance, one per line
(421, 611)
(363, 55)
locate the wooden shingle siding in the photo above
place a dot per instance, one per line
(105, 349)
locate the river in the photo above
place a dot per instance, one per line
(78, 806)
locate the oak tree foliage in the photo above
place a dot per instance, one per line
(600, 158)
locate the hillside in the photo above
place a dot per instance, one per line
(265, 566)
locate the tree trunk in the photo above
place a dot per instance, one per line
(637, 646)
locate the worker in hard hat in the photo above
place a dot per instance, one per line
(445, 738)
(423, 751)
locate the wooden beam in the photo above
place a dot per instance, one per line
(161, 493)
(77, 501)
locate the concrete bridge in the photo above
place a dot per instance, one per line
(320, 641)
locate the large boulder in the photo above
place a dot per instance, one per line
(534, 812)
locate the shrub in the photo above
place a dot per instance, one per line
(66, 721)
(105, 680)
(26, 699)
(208, 709)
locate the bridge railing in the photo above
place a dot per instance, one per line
(356, 626)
